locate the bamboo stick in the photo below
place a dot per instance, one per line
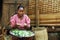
(37, 14)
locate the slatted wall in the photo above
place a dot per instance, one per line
(49, 11)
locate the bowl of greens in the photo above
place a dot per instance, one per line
(21, 33)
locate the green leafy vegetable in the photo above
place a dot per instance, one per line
(22, 33)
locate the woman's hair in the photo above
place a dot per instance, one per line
(20, 6)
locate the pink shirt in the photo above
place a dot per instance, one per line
(14, 20)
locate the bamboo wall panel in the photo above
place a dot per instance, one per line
(4, 16)
(8, 11)
(32, 7)
(47, 18)
(49, 10)
(49, 6)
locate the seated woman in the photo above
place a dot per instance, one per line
(20, 20)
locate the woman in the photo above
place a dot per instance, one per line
(20, 20)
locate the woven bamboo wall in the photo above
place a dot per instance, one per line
(49, 10)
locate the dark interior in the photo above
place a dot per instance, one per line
(1, 1)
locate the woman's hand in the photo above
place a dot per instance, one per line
(17, 25)
(25, 26)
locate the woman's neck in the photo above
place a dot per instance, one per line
(21, 17)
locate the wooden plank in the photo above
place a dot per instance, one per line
(50, 24)
(47, 16)
(46, 25)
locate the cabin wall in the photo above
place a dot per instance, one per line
(49, 11)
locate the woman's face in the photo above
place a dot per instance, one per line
(20, 12)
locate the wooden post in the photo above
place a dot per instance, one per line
(37, 14)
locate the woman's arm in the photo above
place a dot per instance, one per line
(27, 22)
(12, 22)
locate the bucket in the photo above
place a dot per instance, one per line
(40, 33)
